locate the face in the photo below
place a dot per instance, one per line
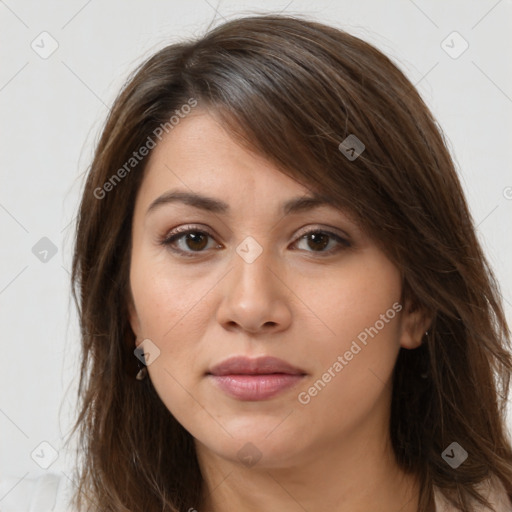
(236, 276)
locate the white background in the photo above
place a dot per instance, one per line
(52, 110)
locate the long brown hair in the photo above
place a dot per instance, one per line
(292, 90)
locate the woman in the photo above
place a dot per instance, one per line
(283, 302)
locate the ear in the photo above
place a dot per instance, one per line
(415, 322)
(133, 318)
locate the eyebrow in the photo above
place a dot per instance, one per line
(211, 204)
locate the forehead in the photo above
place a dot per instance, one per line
(198, 155)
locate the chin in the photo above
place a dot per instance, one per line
(255, 447)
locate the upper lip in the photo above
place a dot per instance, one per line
(255, 366)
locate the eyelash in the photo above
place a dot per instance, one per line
(180, 232)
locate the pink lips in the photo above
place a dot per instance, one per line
(255, 379)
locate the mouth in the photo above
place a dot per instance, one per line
(255, 379)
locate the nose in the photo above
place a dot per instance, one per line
(255, 297)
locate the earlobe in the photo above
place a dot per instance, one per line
(415, 323)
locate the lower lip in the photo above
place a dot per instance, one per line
(255, 387)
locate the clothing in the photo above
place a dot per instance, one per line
(493, 491)
(52, 493)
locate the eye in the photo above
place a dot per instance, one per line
(187, 240)
(318, 240)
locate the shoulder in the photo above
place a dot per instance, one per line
(492, 489)
(50, 492)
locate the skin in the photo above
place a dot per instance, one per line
(292, 302)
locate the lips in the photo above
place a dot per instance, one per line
(259, 366)
(255, 379)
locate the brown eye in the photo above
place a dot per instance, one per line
(317, 241)
(190, 242)
(187, 241)
(195, 240)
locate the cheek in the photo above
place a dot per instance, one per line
(174, 310)
(354, 359)
(167, 300)
(172, 315)
(355, 298)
